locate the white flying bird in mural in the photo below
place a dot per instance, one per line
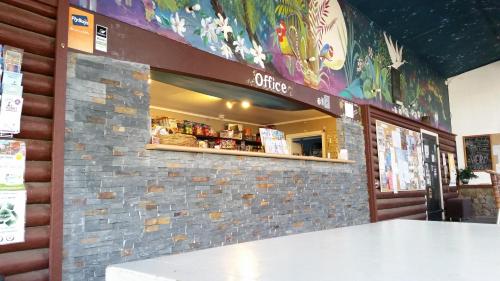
(395, 53)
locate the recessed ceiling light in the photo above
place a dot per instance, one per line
(229, 104)
(245, 104)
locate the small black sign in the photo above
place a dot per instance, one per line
(101, 38)
(478, 152)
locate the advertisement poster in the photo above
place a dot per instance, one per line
(12, 216)
(400, 158)
(12, 191)
(10, 113)
(274, 141)
(81, 30)
(101, 38)
(453, 169)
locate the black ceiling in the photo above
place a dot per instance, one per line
(453, 36)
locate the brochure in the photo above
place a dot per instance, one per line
(10, 113)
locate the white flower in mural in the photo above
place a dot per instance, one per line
(258, 54)
(226, 51)
(158, 19)
(239, 43)
(213, 48)
(223, 26)
(178, 24)
(208, 29)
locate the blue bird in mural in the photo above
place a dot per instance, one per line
(326, 53)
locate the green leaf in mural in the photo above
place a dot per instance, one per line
(170, 5)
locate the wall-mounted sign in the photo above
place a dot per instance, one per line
(81, 30)
(324, 101)
(478, 152)
(269, 83)
(101, 38)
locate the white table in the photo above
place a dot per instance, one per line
(394, 250)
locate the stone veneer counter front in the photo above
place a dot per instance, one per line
(124, 202)
(166, 147)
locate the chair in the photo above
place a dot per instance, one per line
(495, 183)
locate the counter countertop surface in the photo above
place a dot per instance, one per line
(385, 251)
(241, 153)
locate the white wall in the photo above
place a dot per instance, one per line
(475, 107)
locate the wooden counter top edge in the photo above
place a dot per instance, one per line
(241, 153)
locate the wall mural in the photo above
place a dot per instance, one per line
(323, 44)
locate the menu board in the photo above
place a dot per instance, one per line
(400, 158)
(478, 152)
(274, 141)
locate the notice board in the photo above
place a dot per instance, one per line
(478, 152)
(400, 157)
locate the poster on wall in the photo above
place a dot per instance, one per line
(11, 94)
(495, 149)
(81, 30)
(274, 141)
(12, 191)
(400, 158)
(478, 152)
(453, 169)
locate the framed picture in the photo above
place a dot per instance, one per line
(477, 151)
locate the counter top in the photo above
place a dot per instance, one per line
(242, 153)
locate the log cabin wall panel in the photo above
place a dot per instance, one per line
(407, 204)
(32, 25)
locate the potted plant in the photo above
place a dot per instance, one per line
(464, 175)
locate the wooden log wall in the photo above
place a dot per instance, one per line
(32, 25)
(406, 204)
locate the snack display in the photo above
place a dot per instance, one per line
(172, 131)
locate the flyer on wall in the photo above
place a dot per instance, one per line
(12, 191)
(12, 216)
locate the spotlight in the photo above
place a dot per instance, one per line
(245, 104)
(229, 104)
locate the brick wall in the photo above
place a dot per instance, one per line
(125, 203)
(483, 202)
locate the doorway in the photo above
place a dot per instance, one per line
(432, 171)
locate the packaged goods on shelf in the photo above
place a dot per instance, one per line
(226, 134)
(234, 127)
(179, 139)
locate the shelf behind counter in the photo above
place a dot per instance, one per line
(241, 153)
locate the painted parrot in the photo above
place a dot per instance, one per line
(283, 40)
(149, 9)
